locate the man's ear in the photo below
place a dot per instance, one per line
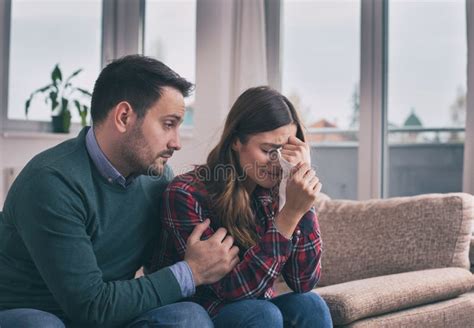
(123, 116)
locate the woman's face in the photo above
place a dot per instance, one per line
(258, 156)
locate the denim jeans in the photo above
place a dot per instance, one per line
(288, 310)
(29, 318)
(184, 314)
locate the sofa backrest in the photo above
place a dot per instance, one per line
(363, 239)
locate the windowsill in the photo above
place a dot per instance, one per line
(185, 133)
(37, 135)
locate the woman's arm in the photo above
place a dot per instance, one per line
(261, 264)
(303, 268)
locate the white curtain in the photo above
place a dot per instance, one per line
(468, 177)
(249, 58)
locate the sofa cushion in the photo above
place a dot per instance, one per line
(363, 239)
(456, 312)
(364, 298)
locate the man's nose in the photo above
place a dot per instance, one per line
(175, 142)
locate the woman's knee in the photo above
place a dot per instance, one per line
(315, 306)
(263, 314)
(271, 314)
(305, 308)
(250, 314)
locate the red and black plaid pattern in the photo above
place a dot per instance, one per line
(186, 203)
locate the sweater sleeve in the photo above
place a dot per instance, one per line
(50, 215)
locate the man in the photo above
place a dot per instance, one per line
(81, 218)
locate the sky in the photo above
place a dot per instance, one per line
(320, 52)
(426, 61)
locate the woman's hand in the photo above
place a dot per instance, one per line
(302, 189)
(296, 151)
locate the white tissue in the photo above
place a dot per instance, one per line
(285, 173)
(285, 168)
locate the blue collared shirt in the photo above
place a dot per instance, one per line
(181, 270)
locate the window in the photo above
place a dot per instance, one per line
(320, 75)
(427, 66)
(171, 38)
(42, 34)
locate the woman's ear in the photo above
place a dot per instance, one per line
(236, 145)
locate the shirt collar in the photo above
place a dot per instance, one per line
(103, 165)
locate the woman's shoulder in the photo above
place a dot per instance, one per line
(190, 182)
(189, 189)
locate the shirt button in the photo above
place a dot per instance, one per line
(298, 233)
(110, 180)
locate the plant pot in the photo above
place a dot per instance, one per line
(62, 122)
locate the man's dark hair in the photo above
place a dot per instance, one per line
(136, 79)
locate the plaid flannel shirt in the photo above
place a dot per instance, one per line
(186, 203)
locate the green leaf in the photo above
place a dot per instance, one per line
(83, 114)
(54, 100)
(40, 90)
(64, 104)
(72, 76)
(78, 105)
(84, 91)
(56, 75)
(27, 106)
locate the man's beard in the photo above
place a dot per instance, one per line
(139, 158)
(135, 152)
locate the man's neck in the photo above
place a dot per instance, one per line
(108, 147)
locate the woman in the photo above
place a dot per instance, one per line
(237, 189)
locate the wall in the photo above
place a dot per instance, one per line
(17, 148)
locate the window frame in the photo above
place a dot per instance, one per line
(121, 35)
(372, 175)
(468, 174)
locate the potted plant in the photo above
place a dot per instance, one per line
(61, 95)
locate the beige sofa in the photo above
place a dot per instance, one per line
(399, 262)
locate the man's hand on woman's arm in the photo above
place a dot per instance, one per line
(210, 259)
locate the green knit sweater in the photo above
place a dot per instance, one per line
(70, 242)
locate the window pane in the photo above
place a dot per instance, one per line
(320, 75)
(171, 38)
(426, 96)
(43, 34)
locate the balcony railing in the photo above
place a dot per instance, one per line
(403, 135)
(420, 160)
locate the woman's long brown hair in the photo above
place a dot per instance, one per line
(257, 110)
